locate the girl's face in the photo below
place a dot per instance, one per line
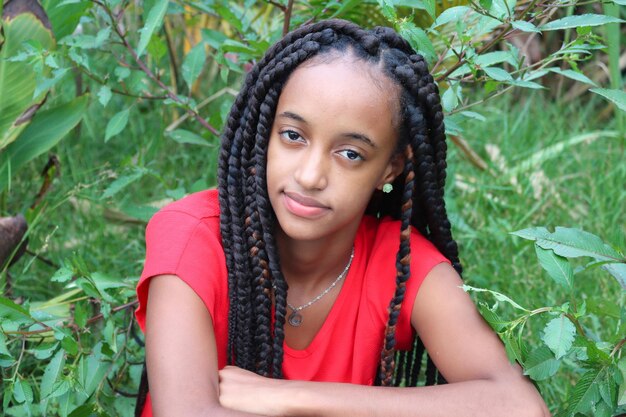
(332, 144)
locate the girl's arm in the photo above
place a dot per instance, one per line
(481, 380)
(181, 354)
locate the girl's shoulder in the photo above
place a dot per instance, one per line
(200, 205)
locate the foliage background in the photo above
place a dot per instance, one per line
(151, 83)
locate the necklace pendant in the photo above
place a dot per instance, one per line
(295, 319)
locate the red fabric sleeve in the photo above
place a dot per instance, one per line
(181, 244)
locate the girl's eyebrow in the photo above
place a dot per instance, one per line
(352, 135)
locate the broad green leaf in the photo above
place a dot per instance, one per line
(4, 351)
(52, 373)
(64, 15)
(430, 8)
(620, 2)
(419, 40)
(586, 393)
(21, 22)
(122, 182)
(558, 267)
(524, 26)
(574, 75)
(45, 131)
(558, 335)
(45, 350)
(579, 20)
(496, 322)
(185, 136)
(85, 410)
(452, 15)
(193, 64)
(618, 270)
(153, 23)
(570, 243)
(541, 364)
(117, 123)
(473, 115)
(622, 387)
(22, 391)
(618, 97)
(104, 95)
(526, 84)
(515, 349)
(14, 312)
(498, 74)
(80, 314)
(498, 296)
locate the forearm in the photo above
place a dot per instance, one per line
(471, 398)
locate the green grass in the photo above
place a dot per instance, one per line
(581, 186)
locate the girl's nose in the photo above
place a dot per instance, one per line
(311, 170)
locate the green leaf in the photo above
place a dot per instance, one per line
(496, 322)
(586, 393)
(580, 20)
(14, 312)
(122, 182)
(45, 350)
(85, 410)
(185, 136)
(524, 26)
(387, 9)
(558, 335)
(92, 369)
(419, 40)
(574, 75)
(622, 388)
(570, 243)
(498, 296)
(63, 274)
(618, 270)
(117, 123)
(558, 267)
(452, 15)
(153, 23)
(541, 364)
(104, 95)
(193, 64)
(80, 314)
(618, 97)
(22, 391)
(45, 131)
(52, 373)
(498, 74)
(430, 8)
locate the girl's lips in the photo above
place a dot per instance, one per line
(303, 206)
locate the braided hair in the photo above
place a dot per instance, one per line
(255, 280)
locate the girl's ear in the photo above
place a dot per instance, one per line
(393, 169)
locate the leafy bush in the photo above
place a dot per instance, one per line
(160, 77)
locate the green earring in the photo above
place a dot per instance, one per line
(387, 188)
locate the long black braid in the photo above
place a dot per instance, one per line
(255, 280)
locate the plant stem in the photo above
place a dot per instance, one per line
(287, 21)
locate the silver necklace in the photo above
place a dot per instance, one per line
(295, 318)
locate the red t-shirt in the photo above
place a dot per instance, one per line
(183, 239)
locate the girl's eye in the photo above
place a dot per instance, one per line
(290, 135)
(351, 155)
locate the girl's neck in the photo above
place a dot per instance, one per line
(309, 264)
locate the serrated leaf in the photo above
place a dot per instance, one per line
(185, 136)
(618, 270)
(419, 40)
(92, 370)
(22, 392)
(525, 26)
(586, 393)
(429, 6)
(104, 95)
(580, 20)
(541, 364)
(492, 318)
(80, 314)
(122, 182)
(153, 23)
(387, 9)
(45, 350)
(618, 97)
(193, 64)
(558, 335)
(117, 123)
(622, 388)
(570, 243)
(53, 371)
(576, 76)
(557, 267)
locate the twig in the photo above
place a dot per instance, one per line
(618, 346)
(142, 65)
(276, 4)
(287, 21)
(203, 103)
(89, 321)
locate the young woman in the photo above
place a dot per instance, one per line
(311, 281)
